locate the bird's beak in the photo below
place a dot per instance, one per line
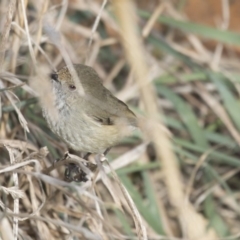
(54, 76)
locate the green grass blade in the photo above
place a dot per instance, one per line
(216, 221)
(211, 33)
(231, 104)
(125, 224)
(186, 114)
(151, 219)
(151, 195)
(215, 156)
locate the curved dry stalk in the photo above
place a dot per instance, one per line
(187, 215)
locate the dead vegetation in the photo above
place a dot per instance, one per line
(184, 184)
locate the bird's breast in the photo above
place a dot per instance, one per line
(82, 133)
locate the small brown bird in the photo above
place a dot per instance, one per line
(91, 122)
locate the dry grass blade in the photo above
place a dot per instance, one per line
(153, 19)
(16, 199)
(13, 191)
(215, 185)
(193, 192)
(140, 227)
(200, 163)
(21, 118)
(127, 158)
(18, 144)
(55, 38)
(94, 28)
(10, 88)
(19, 165)
(219, 111)
(106, 181)
(37, 46)
(5, 32)
(6, 230)
(28, 35)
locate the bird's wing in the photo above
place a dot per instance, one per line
(103, 106)
(103, 120)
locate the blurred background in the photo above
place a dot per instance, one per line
(191, 52)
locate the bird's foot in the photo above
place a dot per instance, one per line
(74, 172)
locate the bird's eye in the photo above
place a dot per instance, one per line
(72, 87)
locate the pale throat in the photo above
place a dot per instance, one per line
(59, 100)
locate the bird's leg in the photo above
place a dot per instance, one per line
(103, 158)
(86, 156)
(73, 172)
(106, 151)
(61, 159)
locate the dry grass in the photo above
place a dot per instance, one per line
(184, 185)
